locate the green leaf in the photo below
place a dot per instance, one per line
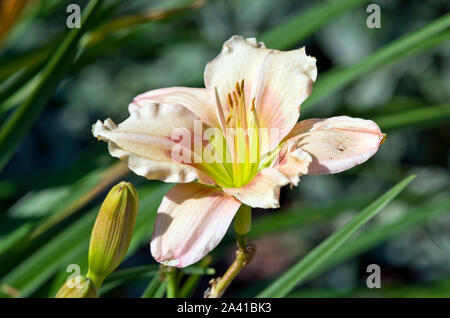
(50, 206)
(160, 291)
(125, 275)
(195, 270)
(99, 41)
(301, 26)
(192, 281)
(378, 234)
(36, 269)
(55, 255)
(30, 59)
(283, 285)
(416, 118)
(36, 56)
(408, 45)
(375, 236)
(81, 193)
(437, 289)
(298, 216)
(23, 118)
(152, 287)
(16, 236)
(16, 82)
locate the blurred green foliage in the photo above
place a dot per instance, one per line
(54, 83)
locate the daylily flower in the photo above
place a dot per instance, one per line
(248, 88)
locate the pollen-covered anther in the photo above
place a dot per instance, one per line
(238, 89)
(229, 101)
(235, 99)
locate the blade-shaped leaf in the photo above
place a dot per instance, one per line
(428, 36)
(54, 256)
(151, 288)
(412, 119)
(382, 233)
(23, 118)
(306, 23)
(283, 285)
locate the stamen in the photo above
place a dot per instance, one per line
(219, 109)
(258, 136)
(230, 101)
(238, 89)
(242, 143)
(235, 99)
(245, 126)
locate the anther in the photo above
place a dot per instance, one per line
(236, 101)
(238, 89)
(230, 101)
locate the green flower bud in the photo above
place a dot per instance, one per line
(243, 220)
(112, 232)
(78, 287)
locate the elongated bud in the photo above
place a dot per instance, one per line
(112, 232)
(78, 287)
(243, 220)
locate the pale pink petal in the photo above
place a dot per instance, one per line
(279, 81)
(196, 100)
(293, 162)
(284, 82)
(337, 143)
(192, 219)
(144, 141)
(263, 191)
(239, 59)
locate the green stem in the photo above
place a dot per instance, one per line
(160, 291)
(192, 281)
(244, 255)
(171, 276)
(243, 220)
(152, 287)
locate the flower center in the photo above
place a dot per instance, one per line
(238, 143)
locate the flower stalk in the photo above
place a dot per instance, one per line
(220, 285)
(172, 285)
(243, 220)
(244, 254)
